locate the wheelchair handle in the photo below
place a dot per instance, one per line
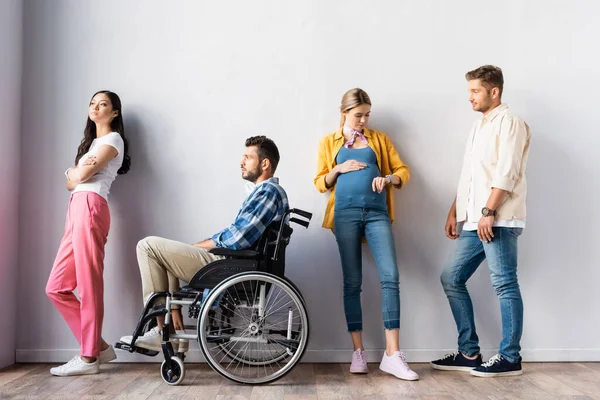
(300, 222)
(302, 213)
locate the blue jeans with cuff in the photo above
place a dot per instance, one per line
(350, 225)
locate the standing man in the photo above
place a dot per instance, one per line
(487, 217)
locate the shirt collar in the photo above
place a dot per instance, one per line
(250, 186)
(494, 113)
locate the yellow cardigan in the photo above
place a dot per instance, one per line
(387, 159)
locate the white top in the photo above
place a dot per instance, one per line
(100, 183)
(480, 150)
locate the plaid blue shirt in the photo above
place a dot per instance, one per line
(268, 202)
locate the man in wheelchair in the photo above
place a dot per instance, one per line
(164, 262)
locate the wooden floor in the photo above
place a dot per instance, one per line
(306, 381)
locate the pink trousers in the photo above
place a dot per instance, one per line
(80, 264)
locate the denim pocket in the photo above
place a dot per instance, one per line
(516, 232)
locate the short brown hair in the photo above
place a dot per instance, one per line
(489, 75)
(266, 148)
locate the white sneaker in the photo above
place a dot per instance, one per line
(183, 344)
(151, 340)
(396, 365)
(107, 355)
(76, 367)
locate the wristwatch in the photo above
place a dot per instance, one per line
(486, 212)
(390, 178)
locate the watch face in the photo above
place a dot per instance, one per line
(485, 211)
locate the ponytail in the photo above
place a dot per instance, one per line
(342, 119)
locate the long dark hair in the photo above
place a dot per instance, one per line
(116, 125)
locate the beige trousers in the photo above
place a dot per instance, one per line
(164, 262)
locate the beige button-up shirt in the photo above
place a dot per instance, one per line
(495, 157)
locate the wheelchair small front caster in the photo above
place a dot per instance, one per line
(174, 375)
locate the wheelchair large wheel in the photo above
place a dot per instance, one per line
(253, 328)
(266, 356)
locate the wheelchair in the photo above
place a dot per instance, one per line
(252, 323)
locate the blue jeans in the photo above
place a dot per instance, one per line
(501, 254)
(350, 225)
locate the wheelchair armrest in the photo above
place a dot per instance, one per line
(219, 251)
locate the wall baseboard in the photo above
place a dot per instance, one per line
(322, 356)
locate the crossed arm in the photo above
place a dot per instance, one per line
(90, 167)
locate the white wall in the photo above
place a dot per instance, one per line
(197, 78)
(11, 27)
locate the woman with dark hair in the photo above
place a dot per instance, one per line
(102, 155)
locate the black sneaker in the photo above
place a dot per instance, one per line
(498, 366)
(456, 362)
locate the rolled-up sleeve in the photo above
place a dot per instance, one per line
(514, 136)
(397, 166)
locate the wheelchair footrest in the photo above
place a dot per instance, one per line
(131, 349)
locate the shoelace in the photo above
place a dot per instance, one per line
(497, 358)
(405, 366)
(360, 355)
(450, 355)
(152, 332)
(73, 361)
(402, 357)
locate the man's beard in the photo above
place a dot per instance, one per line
(485, 107)
(252, 176)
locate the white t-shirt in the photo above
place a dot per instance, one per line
(100, 183)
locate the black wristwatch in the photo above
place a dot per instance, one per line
(486, 212)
